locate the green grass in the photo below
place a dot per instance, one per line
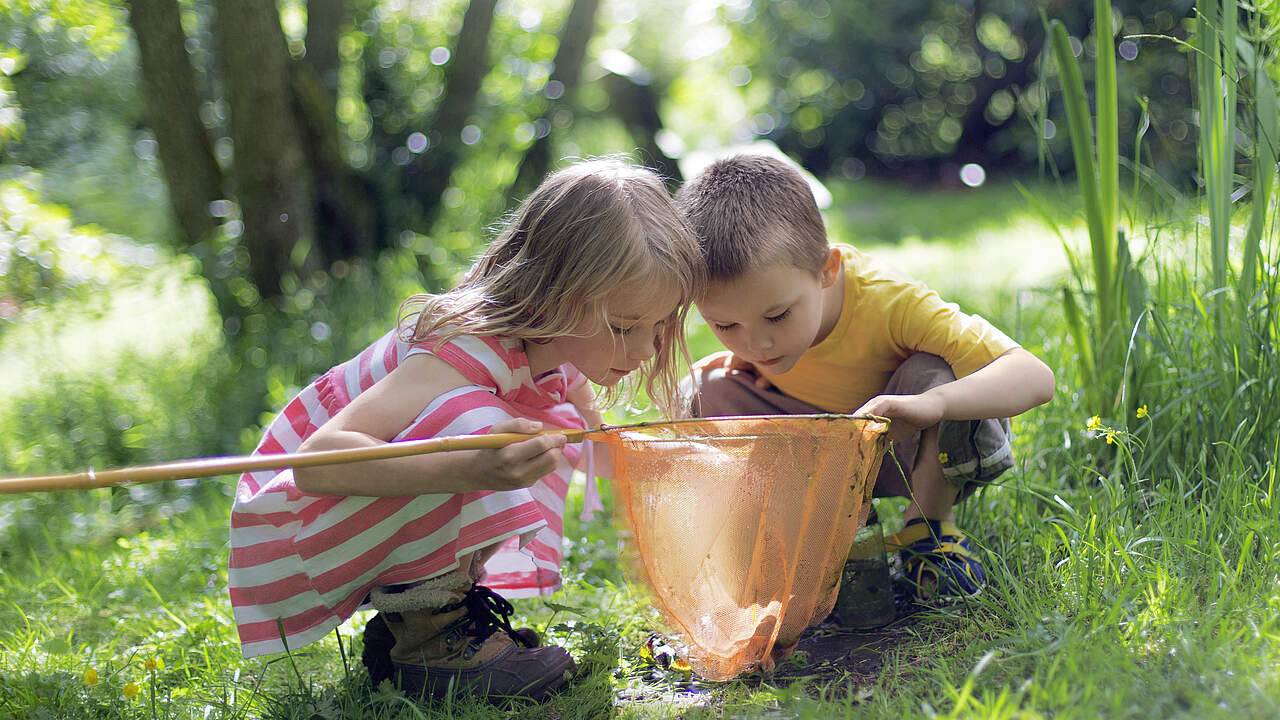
(1143, 583)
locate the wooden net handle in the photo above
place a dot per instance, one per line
(236, 464)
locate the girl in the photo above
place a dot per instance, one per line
(589, 281)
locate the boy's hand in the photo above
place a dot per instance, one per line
(732, 365)
(909, 413)
(714, 360)
(522, 463)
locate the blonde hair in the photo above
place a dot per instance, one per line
(752, 210)
(583, 233)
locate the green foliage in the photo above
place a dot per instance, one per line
(1090, 579)
(1099, 333)
(1134, 558)
(45, 256)
(11, 126)
(1146, 589)
(919, 88)
(1216, 22)
(1150, 335)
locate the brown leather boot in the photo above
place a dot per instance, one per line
(466, 645)
(378, 642)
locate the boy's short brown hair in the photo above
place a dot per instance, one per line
(751, 210)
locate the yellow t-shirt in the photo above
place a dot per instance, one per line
(885, 318)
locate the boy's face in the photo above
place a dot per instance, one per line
(771, 315)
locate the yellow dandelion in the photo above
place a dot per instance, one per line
(130, 690)
(942, 458)
(154, 664)
(90, 677)
(1094, 423)
(1142, 411)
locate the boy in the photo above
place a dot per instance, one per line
(812, 327)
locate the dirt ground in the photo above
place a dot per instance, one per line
(827, 651)
(830, 651)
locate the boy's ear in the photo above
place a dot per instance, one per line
(831, 268)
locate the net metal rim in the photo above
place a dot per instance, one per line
(635, 432)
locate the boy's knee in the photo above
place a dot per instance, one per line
(975, 451)
(717, 393)
(918, 373)
(970, 452)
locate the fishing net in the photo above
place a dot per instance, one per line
(741, 525)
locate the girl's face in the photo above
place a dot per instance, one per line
(608, 350)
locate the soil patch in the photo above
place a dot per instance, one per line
(829, 651)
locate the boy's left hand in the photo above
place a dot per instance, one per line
(733, 365)
(909, 413)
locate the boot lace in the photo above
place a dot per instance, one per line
(487, 613)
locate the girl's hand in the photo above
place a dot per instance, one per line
(522, 463)
(909, 413)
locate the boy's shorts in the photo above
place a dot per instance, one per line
(972, 452)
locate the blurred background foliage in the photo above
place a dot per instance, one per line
(288, 172)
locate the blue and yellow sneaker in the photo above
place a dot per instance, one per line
(936, 559)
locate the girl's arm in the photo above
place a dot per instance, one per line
(1009, 385)
(380, 413)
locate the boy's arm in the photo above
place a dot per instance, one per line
(1009, 385)
(380, 413)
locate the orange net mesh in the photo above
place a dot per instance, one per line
(742, 525)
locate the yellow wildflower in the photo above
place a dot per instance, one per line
(130, 690)
(90, 677)
(1111, 438)
(1142, 411)
(153, 664)
(942, 458)
(1094, 423)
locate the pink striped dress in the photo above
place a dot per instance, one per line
(305, 563)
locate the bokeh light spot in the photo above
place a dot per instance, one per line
(973, 175)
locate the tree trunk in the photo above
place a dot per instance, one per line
(347, 219)
(273, 186)
(172, 110)
(424, 179)
(324, 23)
(636, 104)
(567, 71)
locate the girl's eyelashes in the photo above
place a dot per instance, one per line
(780, 316)
(724, 328)
(619, 330)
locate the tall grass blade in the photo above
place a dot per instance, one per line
(1216, 92)
(1108, 126)
(1086, 172)
(1084, 350)
(1264, 171)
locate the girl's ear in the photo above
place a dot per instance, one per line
(831, 268)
